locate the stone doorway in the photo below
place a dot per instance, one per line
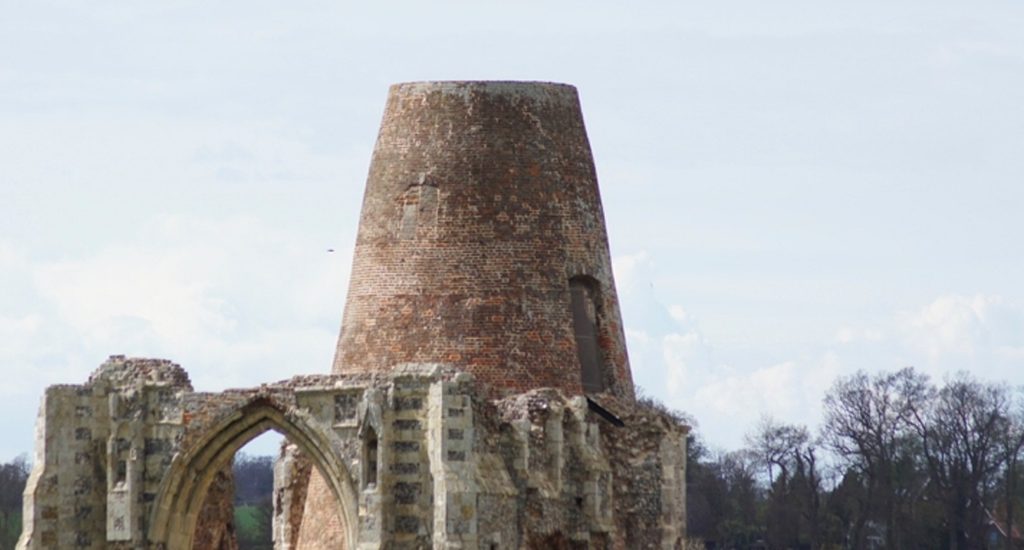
(188, 481)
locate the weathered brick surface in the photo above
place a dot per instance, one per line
(216, 527)
(327, 532)
(481, 204)
(453, 418)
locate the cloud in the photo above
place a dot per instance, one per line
(236, 302)
(983, 333)
(678, 313)
(127, 293)
(16, 333)
(730, 401)
(850, 335)
(950, 324)
(628, 269)
(739, 395)
(686, 357)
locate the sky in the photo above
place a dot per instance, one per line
(794, 190)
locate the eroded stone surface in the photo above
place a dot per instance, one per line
(418, 457)
(291, 481)
(481, 395)
(215, 529)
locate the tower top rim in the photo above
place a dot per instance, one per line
(519, 88)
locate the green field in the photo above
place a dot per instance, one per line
(252, 526)
(247, 519)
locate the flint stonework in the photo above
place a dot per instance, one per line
(480, 395)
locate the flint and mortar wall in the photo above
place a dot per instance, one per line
(482, 247)
(430, 461)
(100, 448)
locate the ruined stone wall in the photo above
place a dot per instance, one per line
(482, 309)
(216, 527)
(481, 204)
(101, 448)
(426, 461)
(291, 481)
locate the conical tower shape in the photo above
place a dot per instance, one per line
(482, 243)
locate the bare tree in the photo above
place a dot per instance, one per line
(867, 427)
(795, 493)
(774, 443)
(1011, 446)
(960, 438)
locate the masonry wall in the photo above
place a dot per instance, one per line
(481, 309)
(101, 450)
(427, 460)
(481, 204)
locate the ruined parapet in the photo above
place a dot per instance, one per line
(482, 243)
(100, 450)
(126, 373)
(414, 458)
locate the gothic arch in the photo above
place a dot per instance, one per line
(184, 488)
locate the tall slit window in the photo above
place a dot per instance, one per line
(585, 320)
(370, 459)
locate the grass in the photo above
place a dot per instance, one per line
(247, 519)
(252, 527)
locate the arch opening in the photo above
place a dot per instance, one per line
(183, 493)
(249, 503)
(370, 460)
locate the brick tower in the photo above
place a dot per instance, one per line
(481, 250)
(482, 243)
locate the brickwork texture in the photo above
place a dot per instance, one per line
(480, 206)
(480, 398)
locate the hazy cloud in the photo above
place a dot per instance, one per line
(793, 189)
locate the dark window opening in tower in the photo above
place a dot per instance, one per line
(586, 323)
(370, 462)
(122, 471)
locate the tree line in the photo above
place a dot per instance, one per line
(13, 476)
(254, 510)
(899, 462)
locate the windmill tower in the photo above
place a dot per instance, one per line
(482, 243)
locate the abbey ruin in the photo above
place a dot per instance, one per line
(480, 396)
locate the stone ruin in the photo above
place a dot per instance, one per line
(480, 396)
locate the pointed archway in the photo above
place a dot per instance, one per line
(184, 488)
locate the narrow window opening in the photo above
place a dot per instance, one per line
(122, 471)
(586, 322)
(370, 450)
